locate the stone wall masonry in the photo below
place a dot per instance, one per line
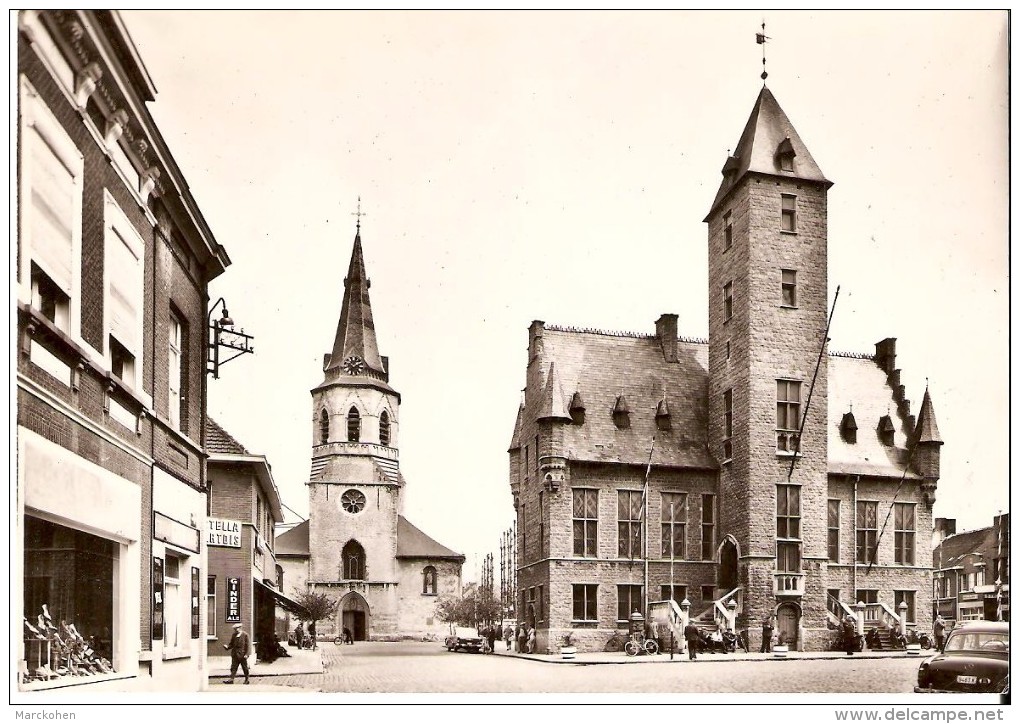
(331, 527)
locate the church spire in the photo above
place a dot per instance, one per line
(355, 351)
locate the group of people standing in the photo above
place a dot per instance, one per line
(519, 638)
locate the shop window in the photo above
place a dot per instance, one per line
(429, 581)
(68, 602)
(174, 608)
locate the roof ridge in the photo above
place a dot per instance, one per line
(853, 355)
(617, 333)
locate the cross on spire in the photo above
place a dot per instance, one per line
(760, 38)
(359, 213)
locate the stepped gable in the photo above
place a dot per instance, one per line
(413, 543)
(858, 381)
(602, 366)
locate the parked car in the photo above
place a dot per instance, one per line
(975, 658)
(462, 638)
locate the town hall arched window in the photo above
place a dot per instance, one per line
(384, 428)
(353, 425)
(353, 556)
(323, 427)
(428, 585)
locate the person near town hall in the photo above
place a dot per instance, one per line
(849, 631)
(522, 638)
(693, 638)
(532, 639)
(766, 634)
(939, 630)
(508, 636)
(311, 635)
(348, 636)
(493, 634)
(239, 647)
(299, 635)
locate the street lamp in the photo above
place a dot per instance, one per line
(239, 342)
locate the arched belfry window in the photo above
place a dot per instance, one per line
(353, 425)
(428, 585)
(323, 427)
(353, 556)
(384, 428)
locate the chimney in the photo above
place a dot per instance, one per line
(665, 331)
(535, 344)
(944, 527)
(885, 354)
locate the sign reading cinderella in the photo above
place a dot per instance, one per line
(223, 533)
(233, 600)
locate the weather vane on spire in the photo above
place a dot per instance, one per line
(761, 38)
(359, 214)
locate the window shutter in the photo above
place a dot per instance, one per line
(125, 297)
(52, 212)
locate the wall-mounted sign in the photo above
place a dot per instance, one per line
(233, 600)
(180, 534)
(223, 533)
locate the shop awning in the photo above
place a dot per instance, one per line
(287, 604)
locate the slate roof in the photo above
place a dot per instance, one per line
(355, 332)
(953, 549)
(293, 542)
(859, 382)
(603, 366)
(411, 543)
(756, 152)
(219, 441)
(927, 428)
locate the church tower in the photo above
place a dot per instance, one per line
(355, 484)
(768, 300)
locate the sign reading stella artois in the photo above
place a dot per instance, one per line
(223, 533)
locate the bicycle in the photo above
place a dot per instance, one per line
(638, 644)
(615, 643)
(429, 637)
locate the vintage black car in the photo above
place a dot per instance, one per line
(974, 659)
(463, 639)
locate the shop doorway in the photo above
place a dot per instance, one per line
(788, 623)
(355, 616)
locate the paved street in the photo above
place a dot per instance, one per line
(412, 667)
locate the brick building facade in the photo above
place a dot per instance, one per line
(357, 545)
(971, 577)
(113, 265)
(752, 474)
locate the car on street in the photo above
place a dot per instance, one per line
(462, 638)
(975, 658)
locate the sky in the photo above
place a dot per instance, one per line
(515, 166)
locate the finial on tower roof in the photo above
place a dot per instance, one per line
(761, 38)
(359, 214)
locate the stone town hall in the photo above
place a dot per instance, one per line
(781, 478)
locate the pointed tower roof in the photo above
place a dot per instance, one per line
(355, 333)
(515, 441)
(927, 430)
(767, 138)
(553, 405)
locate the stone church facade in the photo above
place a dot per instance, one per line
(357, 545)
(752, 474)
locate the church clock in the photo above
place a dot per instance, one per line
(354, 365)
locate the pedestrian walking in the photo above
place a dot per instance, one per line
(492, 636)
(766, 634)
(239, 647)
(940, 632)
(299, 635)
(693, 638)
(483, 634)
(508, 636)
(311, 635)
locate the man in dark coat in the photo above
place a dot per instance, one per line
(940, 632)
(693, 637)
(766, 635)
(239, 648)
(849, 635)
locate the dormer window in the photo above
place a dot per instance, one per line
(577, 409)
(886, 431)
(848, 428)
(785, 154)
(621, 413)
(662, 416)
(353, 425)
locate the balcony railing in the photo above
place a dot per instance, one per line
(788, 584)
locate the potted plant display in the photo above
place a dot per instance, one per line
(567, 648)
(781, 648)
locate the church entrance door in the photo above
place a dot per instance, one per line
(355, 615)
